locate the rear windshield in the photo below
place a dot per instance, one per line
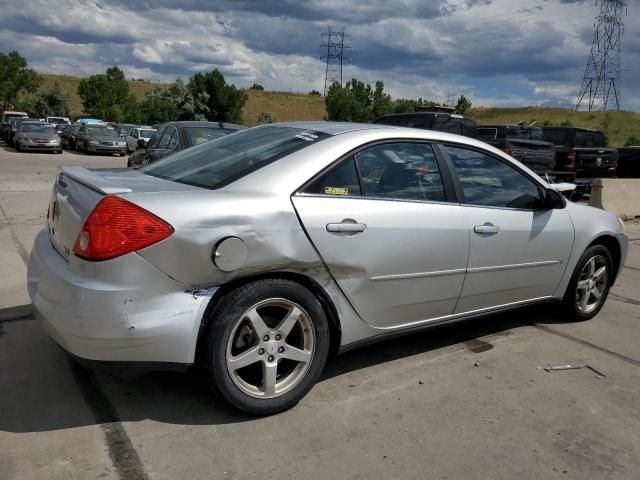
(219, 162)
(200, 135)
(37, 127)
(557, 137)
(486, 133)
(147, 133)
(589, 139)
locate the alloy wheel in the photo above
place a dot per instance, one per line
(592, 284)
(270, 349)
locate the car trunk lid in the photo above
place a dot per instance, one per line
(78, 190)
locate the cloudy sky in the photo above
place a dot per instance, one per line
(497, 52)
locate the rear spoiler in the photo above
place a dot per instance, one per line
(93, 180)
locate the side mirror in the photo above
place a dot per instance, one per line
(553, 200)
(141, 143)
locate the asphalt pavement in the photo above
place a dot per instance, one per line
(467, 401)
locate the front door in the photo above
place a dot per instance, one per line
(518, 248)
(382, 225)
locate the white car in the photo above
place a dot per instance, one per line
(137, 134)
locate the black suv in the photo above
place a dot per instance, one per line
(581, 153)
(440, 121)
(524, 143)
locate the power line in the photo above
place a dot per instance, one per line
(334, 57)
(601, 80)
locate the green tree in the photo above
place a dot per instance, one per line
(51, 102)
(15, 78)
(463, 107)
(632, 141)
(256, 86)
(105, 95)
(357, 102)
(164, 104)
(214, 99)
(405, 105)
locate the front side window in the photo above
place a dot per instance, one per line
(487, 181)
(219, 162)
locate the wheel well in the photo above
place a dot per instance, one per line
(611, 244)
(335, 330)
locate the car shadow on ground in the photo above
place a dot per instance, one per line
(185, 398)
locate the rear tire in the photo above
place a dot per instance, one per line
(18, 147)
(280, 329)
(590, 283)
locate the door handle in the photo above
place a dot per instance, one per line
(487, 229)
(347, 226)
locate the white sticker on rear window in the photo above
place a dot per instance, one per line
(306, 136)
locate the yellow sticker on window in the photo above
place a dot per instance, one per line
(336, 191)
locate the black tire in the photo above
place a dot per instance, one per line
(122, 154)
(569, 302)
(18, 147)
(222, 323)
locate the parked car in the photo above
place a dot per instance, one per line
(15, 126)
(95, 138)
(176, 136)
(123, 129)
(135, 136)
(439, 121)
(39, 136)
(90, 120)
(628, 162)
(4, 123)
(524, 143)
(58, 120)
(68, 136)
(267, 249)
(581, 153)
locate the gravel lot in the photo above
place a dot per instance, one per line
(468, 401)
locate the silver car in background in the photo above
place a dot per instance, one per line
(37, 136)
(138, 137)
(261, 252)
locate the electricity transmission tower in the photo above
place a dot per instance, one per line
(601, 80)
(334, 43)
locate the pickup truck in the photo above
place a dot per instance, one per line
(581, 153)
(524, 143)
(432, 120)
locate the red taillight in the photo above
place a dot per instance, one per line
(117, 227)
(570, 161)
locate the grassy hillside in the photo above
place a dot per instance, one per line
(285, 106)
(294, 106)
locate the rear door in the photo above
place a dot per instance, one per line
(518, 249)
(382, 222)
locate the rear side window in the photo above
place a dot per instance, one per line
(153, 141)
(395, 171)
(487, 133)
(487, 181)
(444, 123)
(219, 162)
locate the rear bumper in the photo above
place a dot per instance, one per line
(120, 310)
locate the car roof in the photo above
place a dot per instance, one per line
(330, 128)
(203, 123)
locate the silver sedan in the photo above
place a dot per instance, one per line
(261, 252)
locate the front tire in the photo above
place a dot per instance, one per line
(590, 284)
(267, 345)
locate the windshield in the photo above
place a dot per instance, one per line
(147, 133)
(219, 162)
(200, 135)
(37, 128)
(101, 131)
(56, 120)
(9, 116)
(487, 133)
